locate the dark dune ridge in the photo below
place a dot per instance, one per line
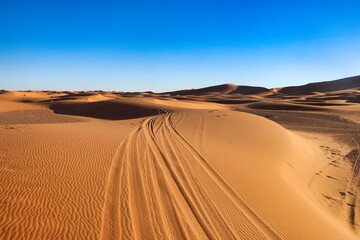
(327, 86)
(221, 89)
(224, 88)
(248, 90)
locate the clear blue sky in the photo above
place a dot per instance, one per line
(167, 45)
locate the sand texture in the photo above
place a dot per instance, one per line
(222, 162)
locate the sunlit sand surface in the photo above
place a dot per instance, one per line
(224, 162)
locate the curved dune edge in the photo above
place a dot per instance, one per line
(181, 174)
(254, 156)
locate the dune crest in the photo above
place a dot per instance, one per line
(192, 164)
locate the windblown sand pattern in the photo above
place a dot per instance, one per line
(188, 164)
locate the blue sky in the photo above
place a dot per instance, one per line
(168, 45)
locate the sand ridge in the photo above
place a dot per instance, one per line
(183, 165)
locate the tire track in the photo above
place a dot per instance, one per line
(224, 186)
(161, 187)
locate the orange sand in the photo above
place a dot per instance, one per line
(179, 165)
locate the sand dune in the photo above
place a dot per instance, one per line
(182, 165)
(221, 89)
(248, 90)
(328, 86)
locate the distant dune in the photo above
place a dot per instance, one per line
(328, 86)
(222, 162)
(248, 90)
(221, 89)
(112, 110)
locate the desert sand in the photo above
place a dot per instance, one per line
(221, 162)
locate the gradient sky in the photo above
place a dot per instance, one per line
(169, 45)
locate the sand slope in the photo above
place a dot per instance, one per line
(176, 188)
(327, 86)
(96, 165)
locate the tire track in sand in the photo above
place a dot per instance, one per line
(161, 187)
